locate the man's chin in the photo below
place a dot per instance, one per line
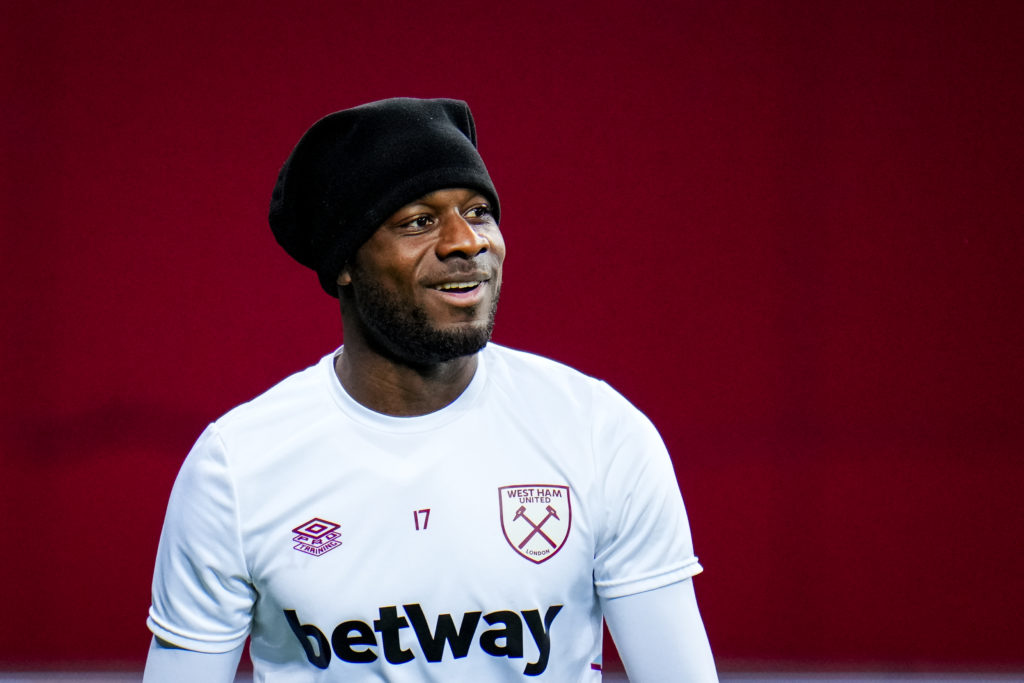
(437, 346)
(411, 336)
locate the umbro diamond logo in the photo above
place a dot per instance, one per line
(316, 537)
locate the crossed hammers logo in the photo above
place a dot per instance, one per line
(521, 512)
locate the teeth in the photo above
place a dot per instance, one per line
(459, 285)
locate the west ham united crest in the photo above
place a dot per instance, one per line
(535, 519)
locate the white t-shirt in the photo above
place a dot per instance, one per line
(468, 544)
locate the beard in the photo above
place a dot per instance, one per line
(400, 331)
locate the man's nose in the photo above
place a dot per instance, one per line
(458, 237)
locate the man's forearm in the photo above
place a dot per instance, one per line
(660, 635)
(169, 664)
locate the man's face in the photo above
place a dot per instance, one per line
(425, 286)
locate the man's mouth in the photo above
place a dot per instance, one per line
(457, 287)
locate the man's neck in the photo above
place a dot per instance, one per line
(392, 388)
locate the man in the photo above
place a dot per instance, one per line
(421, 504)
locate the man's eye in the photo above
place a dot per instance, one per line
(479, 212)
(418, 222)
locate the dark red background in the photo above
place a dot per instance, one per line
(789, 232)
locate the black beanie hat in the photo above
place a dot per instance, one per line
(354, 168)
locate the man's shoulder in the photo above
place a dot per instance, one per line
(534, 377)
(298, 396)
(520, 365)
(557, 394)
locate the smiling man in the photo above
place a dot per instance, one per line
(420, 505)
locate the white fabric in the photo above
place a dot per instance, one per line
(660, 636)
(168, 664)
(229, 564)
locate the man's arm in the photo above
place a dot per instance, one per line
(202, 594)
(169, 664)
(660, 636)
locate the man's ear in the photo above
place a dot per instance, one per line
(344, 277)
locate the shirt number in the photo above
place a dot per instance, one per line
(423, 514)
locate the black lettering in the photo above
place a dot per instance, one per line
(433, 643)
(320, 656)
(388, 626)
(541, 635)
(512, 634)
(342, 641)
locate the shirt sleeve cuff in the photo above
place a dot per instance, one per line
(190, 642)
(618, 588)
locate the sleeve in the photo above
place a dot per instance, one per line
(660, 635)
(202, 594)
(167, 664)
(644, 542)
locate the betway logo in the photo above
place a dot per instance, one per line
(354, 641)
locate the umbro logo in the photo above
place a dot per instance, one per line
(316, 537)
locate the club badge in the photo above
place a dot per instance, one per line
(535, 519)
